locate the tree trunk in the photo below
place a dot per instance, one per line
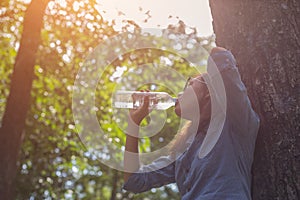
(19, 97)
(264, 36)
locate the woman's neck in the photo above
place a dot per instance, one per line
(200, 126)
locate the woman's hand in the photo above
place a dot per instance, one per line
(137, 115)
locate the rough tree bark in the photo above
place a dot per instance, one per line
(18, 100)
(264, 36)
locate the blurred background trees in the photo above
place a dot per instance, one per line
(52, 162)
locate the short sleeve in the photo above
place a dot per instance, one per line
(220, 61)
(239, 109)
(224, 63)
(159, 173)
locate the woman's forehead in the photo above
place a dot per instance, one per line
(199, 77)
(199, 80)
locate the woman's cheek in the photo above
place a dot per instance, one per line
(183, 111)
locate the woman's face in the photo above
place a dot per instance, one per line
(188, 104)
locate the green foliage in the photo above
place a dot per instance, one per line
(54, 164)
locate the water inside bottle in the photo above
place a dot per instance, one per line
(157, 100)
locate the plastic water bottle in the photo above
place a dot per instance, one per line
(134, 99)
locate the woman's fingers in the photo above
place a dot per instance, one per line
(145, 102)
(139, 113)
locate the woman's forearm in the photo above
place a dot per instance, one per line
(131, 157)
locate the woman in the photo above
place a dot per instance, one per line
(225, 171)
